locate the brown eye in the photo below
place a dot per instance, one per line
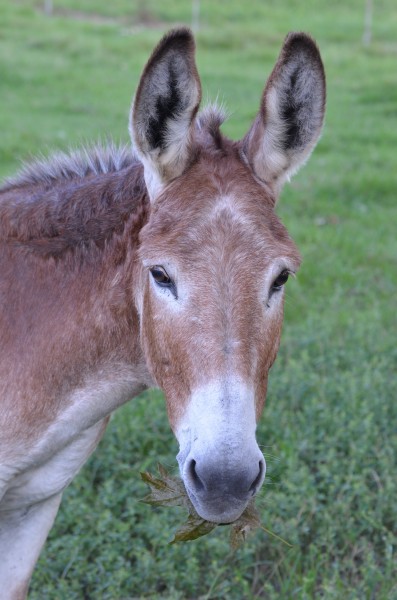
(161, 277)
(280, 280)
(163, 280)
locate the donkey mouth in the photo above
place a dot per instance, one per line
(222, 511)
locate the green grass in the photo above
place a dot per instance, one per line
(329, 430)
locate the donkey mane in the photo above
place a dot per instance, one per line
(82, 198)
(73, 201)
(98, 159)
(75, 164)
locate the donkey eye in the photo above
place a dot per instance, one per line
(280, 280)
(161, 276)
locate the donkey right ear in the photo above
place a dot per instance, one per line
(162, 115)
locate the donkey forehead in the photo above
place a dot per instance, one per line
(216, 205)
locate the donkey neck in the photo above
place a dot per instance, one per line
(69, 248)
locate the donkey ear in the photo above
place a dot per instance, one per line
(166, 102)
(291, 114)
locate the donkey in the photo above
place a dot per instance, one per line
(162, 266)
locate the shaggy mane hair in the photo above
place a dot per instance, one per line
(99, 159)
(78, 199)
(76, 164)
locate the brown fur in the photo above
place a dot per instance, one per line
(61, 251)
(223, 257)
(83, 324)
(66, 292)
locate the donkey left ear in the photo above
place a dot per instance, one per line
(291, 114)
(164, 108)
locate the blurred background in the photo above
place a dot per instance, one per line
(68, 71)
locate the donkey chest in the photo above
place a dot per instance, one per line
(43, 480)
(32, 472)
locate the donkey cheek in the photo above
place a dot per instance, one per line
(261, 391)
(157, 360)
(175, 411)
(263, 372)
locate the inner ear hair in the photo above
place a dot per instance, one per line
(291, 113)
(299, 81)
(168, 94)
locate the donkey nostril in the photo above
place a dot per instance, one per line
(198, 484)
(257, 479)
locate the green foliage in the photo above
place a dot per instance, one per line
(329, 429)
(170, 491)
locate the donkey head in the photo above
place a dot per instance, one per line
(214, 258)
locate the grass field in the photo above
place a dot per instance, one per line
(329, 430)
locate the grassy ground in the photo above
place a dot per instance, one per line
(329, 429)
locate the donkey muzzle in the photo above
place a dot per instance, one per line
(220, 492)
(219, 459)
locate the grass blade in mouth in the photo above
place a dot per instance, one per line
(166, 490)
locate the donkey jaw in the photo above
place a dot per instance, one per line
(219, 459)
